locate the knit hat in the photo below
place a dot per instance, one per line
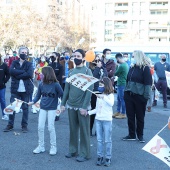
(81, 52)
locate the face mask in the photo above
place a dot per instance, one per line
(77, 61)
(41, 76)
(23, 56)
(53, 58)
(164, 59)
(14, 54)
(125, 59)
(66, 57)
(108, 56)
(133, 61)
(42, 59)
(101, 89)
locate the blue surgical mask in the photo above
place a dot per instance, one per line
(133, 61)
(108, 56)
(101, 89)
(67, 57)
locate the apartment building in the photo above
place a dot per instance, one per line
(138, 21)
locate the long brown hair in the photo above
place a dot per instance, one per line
(108, 87)
(49, 75)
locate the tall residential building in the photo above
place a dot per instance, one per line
(138, 21)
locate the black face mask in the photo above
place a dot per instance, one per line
(164, 59)
(77, 61)
(53, 58)
(23, 56)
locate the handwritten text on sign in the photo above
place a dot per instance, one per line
(81, 81)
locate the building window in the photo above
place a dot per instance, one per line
(121, 4)
(108, 23)
(158, 12)
(159, 3)
(107, 39)
(108, 8)
(121, 12)
(108, 32)
(120, 24)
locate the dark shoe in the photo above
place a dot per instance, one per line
(8, 128)
(99, 161)
(24, 129)
(107, 162)
(149, 108)
(141, 140)
(165, 105)
(128, 138)
(70, 155)
(81, 159)
(154, 103)
(57, 118)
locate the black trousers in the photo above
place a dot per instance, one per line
(135, 111)
(93, 106)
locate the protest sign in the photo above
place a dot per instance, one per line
(81, 81)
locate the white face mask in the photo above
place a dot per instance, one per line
(43, 59)
(108, 56)
(125, 59)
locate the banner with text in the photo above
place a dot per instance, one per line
(81, 81)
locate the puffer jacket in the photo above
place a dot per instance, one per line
(24, 72)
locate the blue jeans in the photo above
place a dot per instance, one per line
(25, 97)
(120, 99)
(104, 136)
(2, 100)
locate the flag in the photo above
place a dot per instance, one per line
(81, 81)
(15, 106)
(167, 73)
(158, 147)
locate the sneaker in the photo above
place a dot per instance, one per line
(107, 162)
(57, 118)
(149, 108)
(99, 161)
(8, 128)
(165, 105)
(121, 116)
(70, 155)
(5, 117)
(81, 159)
(115, 114)
(53, 150)
(39, 149)
(128, 138)
(24, 129)
(141, 140)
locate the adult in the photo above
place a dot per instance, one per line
(4, 72)
(78, 102)
(14, 57)
(109, 64)
(121, 73)
(21, 72)
(57, 67)
(137, 92)
(126, 58)
(67, 66)
(98, 72)
(161, 85)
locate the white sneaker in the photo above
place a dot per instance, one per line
(39, 149)
(5, 117)
(53, 150)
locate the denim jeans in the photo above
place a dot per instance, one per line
(51, 128)
(120, 100)
(2, 100)
(104, 137)
(25, 97)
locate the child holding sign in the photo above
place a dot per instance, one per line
(103, 112)
(49, 91)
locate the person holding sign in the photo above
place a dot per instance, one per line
(21, 72)
(78, 102)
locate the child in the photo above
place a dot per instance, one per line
(49, 90)
(103, 112)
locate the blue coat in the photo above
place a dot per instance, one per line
(24, 72)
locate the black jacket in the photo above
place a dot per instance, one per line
(58, 69)
(4, 75)
(24, 72)
(99, 73)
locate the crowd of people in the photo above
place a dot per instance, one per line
(136, 83)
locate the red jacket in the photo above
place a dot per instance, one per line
(11, 59)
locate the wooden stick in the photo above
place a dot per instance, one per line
(20, 100)
(91, 91)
